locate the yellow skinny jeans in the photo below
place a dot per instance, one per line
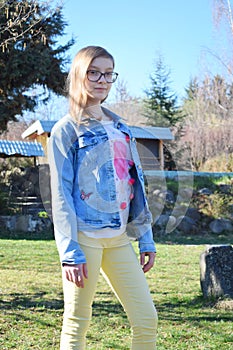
(116, 259)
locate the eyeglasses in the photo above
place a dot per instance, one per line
(95, 75)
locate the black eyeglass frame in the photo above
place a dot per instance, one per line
(103, 74)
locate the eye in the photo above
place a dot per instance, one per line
(109, 74)
(93, 73)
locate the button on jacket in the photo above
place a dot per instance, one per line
(83, 186)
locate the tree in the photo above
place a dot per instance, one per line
(160, 109)
(208, 123)
(127, 106)
(30, 56)
(160, 104)
(191, 90)
(223, 25)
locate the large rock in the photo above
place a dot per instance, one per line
(186, 225)
(194, 214)
(216, 271)
(220, 225)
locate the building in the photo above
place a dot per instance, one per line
(149, 141)
(21, 149)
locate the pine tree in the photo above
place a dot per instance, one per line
(160, 104)
(161, 110)
(191, 90)
(30, 56)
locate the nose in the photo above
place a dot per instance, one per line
(102, 79)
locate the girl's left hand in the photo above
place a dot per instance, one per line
(147, 265)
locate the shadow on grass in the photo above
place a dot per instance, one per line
(35, 236)
(39, 302)
(198, 239)
(106, 308)
(27, 301)
(194, 310)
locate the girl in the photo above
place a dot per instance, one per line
(98, 202)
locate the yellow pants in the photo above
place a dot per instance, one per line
(116, 259)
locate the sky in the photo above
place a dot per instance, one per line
(136, 32)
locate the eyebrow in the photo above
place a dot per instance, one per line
(97, 68)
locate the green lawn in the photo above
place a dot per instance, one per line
(31, 302)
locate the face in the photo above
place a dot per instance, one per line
(98, 91)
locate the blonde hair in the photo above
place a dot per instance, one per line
(75, 81)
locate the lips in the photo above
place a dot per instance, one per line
(100, 89)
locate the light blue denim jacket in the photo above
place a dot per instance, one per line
(83, 186)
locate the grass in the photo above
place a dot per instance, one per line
(31, 302)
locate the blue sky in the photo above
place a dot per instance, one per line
(136, 32)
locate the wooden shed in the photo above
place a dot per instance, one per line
(149, 141)
(40, 131)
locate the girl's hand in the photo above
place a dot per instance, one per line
(76, 273)
(147, 265)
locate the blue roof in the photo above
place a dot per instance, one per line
(151, 132)
(39, 127)
(21, 148)
(47, 125)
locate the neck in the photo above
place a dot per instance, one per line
(95, 111)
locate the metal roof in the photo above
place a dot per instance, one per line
(39, 127)
(21, 148)
(143, 132)
(151, 132)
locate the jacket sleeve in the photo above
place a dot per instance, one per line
(146, 242)
(60, 156)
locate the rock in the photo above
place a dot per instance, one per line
(186, 224)
(194, 214)
(171, 225)
(165, 224)
(164, 195)
(156, 209)
(170, 198)
(179, 210)
(22, 223)
(226, 189)
(25, 223)
(216, 271)
(228, 225)
(8, 222)
(156, 192)
(206, 191)
(220, 225)
(162, 220)
(186, 192)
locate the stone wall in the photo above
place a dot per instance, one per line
(25, 223)
(173, 211)
(184, 210)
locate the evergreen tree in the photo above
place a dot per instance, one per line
(30, 56)
(161, 110)
(191, 90)
(160, 104)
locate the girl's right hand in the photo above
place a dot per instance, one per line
(76, 273)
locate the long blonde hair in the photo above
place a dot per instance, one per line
(75, 81)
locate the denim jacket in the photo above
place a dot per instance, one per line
(83, 186)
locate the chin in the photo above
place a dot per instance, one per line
(100, 97)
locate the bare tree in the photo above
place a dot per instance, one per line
(208, 122)
(128, 107)
(223, 24)
(209, 104)
(14, 28)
